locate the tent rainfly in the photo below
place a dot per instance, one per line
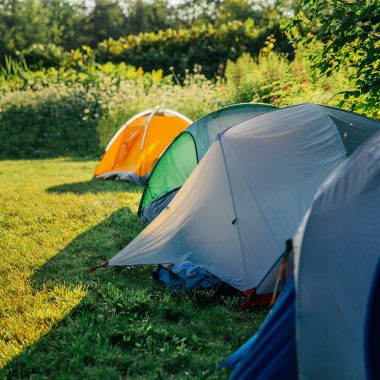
(325, 325)
(184, 153)
(249, 194)
(135, 148)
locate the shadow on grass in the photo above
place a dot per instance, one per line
(95, 186)
(78, 346)
(92, 247)
(125, 326)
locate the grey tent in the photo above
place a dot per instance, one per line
(325, 325)
(249, 194)
(184, 153)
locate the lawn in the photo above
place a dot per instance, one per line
(58, 321)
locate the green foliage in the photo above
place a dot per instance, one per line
(13, 69)
(26, 119)
(207, 46)
(69, 24)
(106, 20)
(27, 22)
(75, 111)
(39, 56)
(58, 321)
(349, 33)
(148, 16)
(272, 78)
(182, 49)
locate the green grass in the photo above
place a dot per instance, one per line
(58, 321)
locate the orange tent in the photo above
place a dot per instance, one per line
(135, 148)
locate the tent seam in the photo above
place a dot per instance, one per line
(147, 124)
(233, 203)
(126, 125)
(337, 134)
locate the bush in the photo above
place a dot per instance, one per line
(272, 78)
(207, 46)
(74, 113)
(39, 56)
(55, 121)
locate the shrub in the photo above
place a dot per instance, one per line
(54, 121)
(75, 111)
(208, 46)
(70, 112)
(38, 56)
(272, 78)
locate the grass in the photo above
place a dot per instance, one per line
(58, 321)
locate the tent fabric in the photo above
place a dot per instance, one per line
(271, 353)
(372, 335)
(247, 196)
(136, 147)
(337, 282)
(338, 246)
(170, 173)
(185, 152)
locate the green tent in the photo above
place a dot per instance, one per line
(184, 153)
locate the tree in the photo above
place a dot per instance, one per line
(106, 20)
(22, 24)
(230, 10)
(190, 12)
(349, 32)
(158, 15)
(67, 19)
(27, 22)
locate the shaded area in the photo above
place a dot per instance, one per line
(95, 187)
(52, 123)
(126, 325)
(99, 243)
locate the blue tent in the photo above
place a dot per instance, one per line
(326, 324)
(271, 353)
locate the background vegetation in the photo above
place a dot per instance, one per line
(71, 24)
(75, 111)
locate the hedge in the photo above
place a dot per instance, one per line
(182, 49)
(179, 50)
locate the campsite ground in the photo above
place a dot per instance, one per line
(58, 321)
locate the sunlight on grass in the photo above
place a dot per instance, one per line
(35, 226)
(58, 320)
(31, 314)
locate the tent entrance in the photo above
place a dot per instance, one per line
(179, 161)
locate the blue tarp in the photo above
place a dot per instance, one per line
(186, 276)
(271, 353)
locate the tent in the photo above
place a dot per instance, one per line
(135, 148)
(185, 152)
(249, 194)
(325, 325)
